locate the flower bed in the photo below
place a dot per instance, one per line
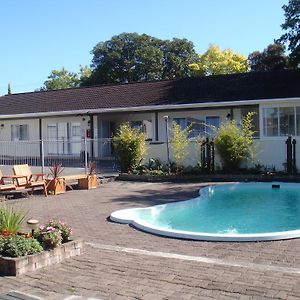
(14, 266)
(22, 252)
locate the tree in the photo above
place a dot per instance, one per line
(130, 57)
(215, 61)
(61, 79)
(8, 89)
(292, 28)
(272, 58)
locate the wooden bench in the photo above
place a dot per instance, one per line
(68, 178)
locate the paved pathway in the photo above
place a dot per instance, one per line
(121, 262)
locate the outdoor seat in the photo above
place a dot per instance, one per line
(27, 179)
(4, 186)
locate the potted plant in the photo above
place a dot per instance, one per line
(90, 182)
(55, 184)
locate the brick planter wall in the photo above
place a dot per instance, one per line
(16, 266)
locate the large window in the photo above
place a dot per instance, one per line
(19, 132)
(64, 138)
(198, 127)
(281, 121)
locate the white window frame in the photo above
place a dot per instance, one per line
(278, 106)
(17, 129)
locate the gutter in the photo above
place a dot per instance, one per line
(145, 108)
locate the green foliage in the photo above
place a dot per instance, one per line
(61, 79)
(215, 61)
(292, 28)
(129, 144)
(10, 219)
(130, 57)
(272, 58)
(49, 237)
(15, 246)
(179, 143)
(234, 144)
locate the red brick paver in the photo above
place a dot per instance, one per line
(111, 274)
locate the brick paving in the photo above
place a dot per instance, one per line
(261, 270)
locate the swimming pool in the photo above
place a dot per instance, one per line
(229, 212)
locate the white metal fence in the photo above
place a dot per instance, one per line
(71, 153)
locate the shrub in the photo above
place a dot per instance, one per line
(15, 246)
(179, 143)
(49, 237)
(10, 220)
(234, 144)
(130, 147)
(65, 229)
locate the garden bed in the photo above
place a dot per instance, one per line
(10, 266)
(208, 177)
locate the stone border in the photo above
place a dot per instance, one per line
(208, 178)
(11, 266)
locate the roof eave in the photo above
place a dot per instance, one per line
(145, 108)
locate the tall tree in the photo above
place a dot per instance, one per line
(272, 58)
(130, 57)
(61, 79)
(215, 61)
(292, 28)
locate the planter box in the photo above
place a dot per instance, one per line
(10, 266)
(56, 186)
(90, 182)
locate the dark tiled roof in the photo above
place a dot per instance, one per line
(267, 85)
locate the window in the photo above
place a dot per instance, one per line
(181, 122)
(287, 121)
(270, 120)
(136, 125)
(198, 127)
(211, 124)
(298, 120)
(75, 130)
(19, 132)
(64, 138)
(281, 121)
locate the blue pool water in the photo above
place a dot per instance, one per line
(243, 209)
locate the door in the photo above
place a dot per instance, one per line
(106, 130)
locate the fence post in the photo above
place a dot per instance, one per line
(42, 156)
(85, 155)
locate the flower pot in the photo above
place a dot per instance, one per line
(56, 186)
(90, 182)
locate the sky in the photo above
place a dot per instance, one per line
(37, 36)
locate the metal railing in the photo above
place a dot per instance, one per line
(70, 153)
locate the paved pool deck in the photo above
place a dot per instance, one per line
(121, 262)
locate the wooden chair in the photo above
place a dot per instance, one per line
(27, 179)
(7, 186)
